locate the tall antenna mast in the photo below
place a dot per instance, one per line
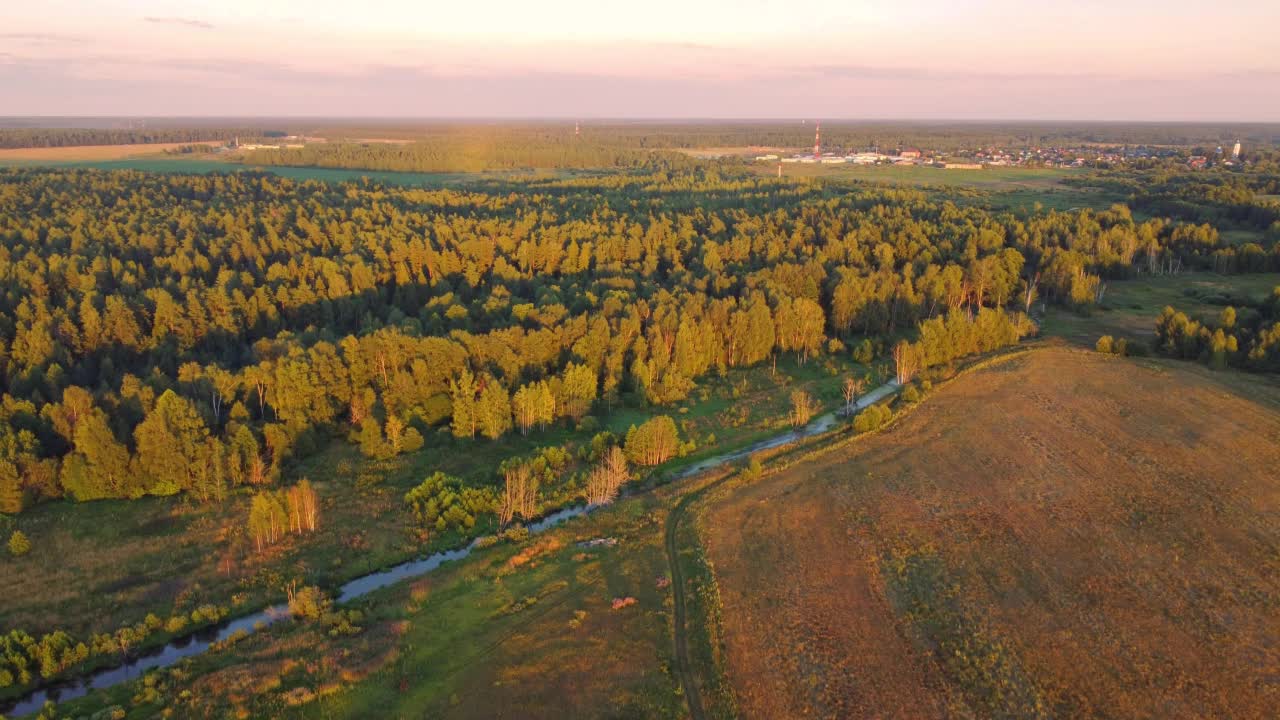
(817, 141)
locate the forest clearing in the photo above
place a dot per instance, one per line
(1057, 534)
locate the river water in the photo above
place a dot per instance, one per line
(200, 641)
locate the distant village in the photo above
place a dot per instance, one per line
(1043, 157)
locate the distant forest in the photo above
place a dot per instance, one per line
(657, 135)
(941, 136)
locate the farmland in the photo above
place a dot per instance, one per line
(1054, 535)
(85, 153)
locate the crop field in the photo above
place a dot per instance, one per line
(1129, 308)
(85, 153)
(1059, 534)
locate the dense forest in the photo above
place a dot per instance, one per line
(446, 154)
(167, 333)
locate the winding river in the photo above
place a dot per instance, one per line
(200, 641)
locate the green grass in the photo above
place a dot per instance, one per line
(1129, 308)
(509, 627)
(1240, 237)
(97, 566)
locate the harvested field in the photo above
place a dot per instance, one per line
(1063, 534)
(89, 152)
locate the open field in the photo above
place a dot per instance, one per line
(1129, 308)
(1060, 534)
(995, 178)
(1000, 187)
(86, 153)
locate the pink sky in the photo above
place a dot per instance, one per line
(1089, 59)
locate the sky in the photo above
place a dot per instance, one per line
(1164, 60)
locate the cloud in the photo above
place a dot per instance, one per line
(675, 45)
(188, 22)
(871, 72)
(40, 38)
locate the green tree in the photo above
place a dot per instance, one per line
(11, 493)
(99, 467)
(493, 409)
(653, 442)
(462, 391)
(169, 443)
(578, 390)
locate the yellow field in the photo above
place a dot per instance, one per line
(89, 152)
(1063, 534)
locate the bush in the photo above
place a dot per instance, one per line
(441, 503)
(1104, 344)
(873, 418)
(309, 603)
(19, 545)
(911, 395)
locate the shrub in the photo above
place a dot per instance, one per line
(19, 545)
(911, 395)
(441, 503)
(873, 418)
(309, 603)
(1104, 344)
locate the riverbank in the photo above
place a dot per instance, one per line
(189, 646)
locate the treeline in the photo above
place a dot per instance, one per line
(449, 155)
(942, 136)
(65, 137)
(944, 340)
(1248, 338)
(1239, 197)
(24, 659)
(165, 334)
